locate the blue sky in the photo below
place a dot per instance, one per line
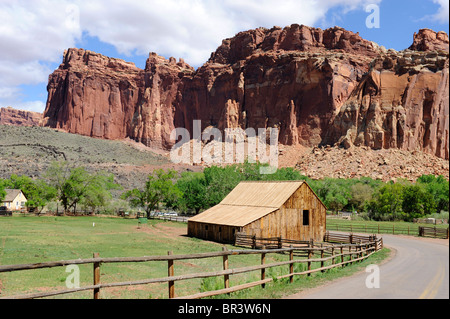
(35, 33)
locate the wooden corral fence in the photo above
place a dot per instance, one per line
(336, 255)
(380, 229)
(434, 232)
(253, 242)
(178, 219)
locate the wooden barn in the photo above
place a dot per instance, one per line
(264, 209)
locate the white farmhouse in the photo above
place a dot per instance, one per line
(15, 200)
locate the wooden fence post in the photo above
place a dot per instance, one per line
(263, 270)
(171, 273)
(291, 265)
(360, 250)
(321, 256)
(351, 255)
(342, 256)
(311, 245)
(96, 277)
(226, 278)
(332, 256)
(254, 242)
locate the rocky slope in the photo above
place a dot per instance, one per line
(319, 87)
(31, 150)
(356, 162)
(11, 116)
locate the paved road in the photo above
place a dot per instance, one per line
(419, 270)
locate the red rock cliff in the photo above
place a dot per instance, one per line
(97, 96)
(11, 116)
(317, 86)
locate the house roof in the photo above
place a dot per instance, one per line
(11, 194)
(248, 202)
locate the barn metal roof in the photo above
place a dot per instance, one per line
(248, 202)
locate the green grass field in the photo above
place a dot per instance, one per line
(373, 227)
(32, 239)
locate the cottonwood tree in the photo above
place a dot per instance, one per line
(159, 188)
(194, 193)
(75, 185)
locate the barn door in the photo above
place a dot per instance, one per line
(305, 224)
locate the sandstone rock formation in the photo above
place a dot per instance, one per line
(428, 40)
(403, 103)
(319, 87)
(97, 96)
(11, 116)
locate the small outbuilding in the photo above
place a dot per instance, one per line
(288, 209)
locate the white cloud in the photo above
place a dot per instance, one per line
(35, 106)
(35, 33)
(443, 12)
(32, 35)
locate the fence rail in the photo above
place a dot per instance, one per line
(243, 240)
(380, 229)
(335, 255)
(434, 232)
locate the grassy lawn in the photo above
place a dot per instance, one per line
(385, 227)
(32, 239)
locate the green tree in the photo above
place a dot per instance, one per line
(438, 187)
(417, 202)
(360, 196)
(386, 203)
(334, 193)
(2, 190)
(75, 184)
(194, 190)
(37, 192)
(221, 181)
(98, 193)
(159, 188)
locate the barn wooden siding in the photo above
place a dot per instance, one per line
(287, 222)
(264, 209)
(217, 233)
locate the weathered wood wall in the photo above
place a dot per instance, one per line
(287, 222)
(218, 233)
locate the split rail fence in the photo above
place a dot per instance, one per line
(434, 232)
(328, 255)
(394, 229)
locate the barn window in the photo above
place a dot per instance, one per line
(306, 218)
(206, 227)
